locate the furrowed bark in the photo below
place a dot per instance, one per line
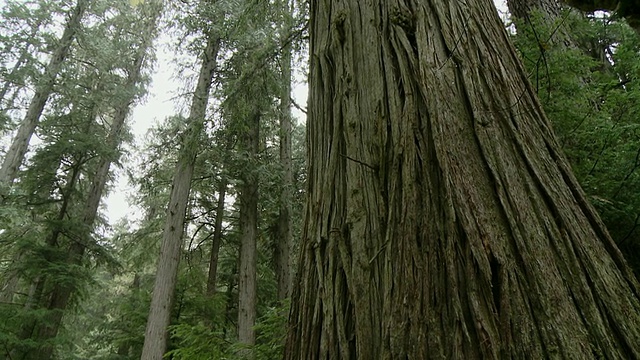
(442, 220)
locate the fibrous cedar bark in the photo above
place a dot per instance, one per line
(155, 339)
(15, 155)
(442, 220)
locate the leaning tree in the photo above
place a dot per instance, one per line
(442, 219)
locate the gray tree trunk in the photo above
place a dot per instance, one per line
(442, 219)
(283, 240)
(248, 225)
(15, 155)
(166, 275)
(551, 11)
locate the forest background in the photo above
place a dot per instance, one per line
(77, 284)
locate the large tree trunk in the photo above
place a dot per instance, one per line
(20, 144)
(442, 220)
(155, 340)
(248, 225)
(283, 239)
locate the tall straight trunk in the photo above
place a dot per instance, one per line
(15, 155)
(248, 225)
(283, 240)
(10, 284)
(58, 302)
(155, 340)
(217, 239)
(442, 219)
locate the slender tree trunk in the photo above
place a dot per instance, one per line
(15, 155)
(248, 224)
(10, 284)
(283, 241)
(37, 285)
(163, 289)
(217, 239)
(442, 220)
(231, 303)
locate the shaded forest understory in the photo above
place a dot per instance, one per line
(233, 187)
